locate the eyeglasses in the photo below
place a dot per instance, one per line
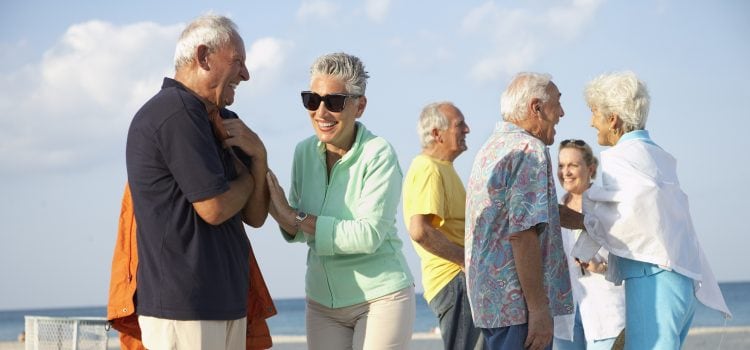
(578, 143)
(333, 102)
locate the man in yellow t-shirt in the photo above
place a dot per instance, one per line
(434, 206)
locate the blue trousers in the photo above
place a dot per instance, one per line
(660, 306)
(507, 338)
(451, 306)
(579, 339)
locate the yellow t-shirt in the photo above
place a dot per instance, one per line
(432, 186)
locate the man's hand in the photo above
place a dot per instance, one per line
(235, 133)
(540, 329)
(239, 135)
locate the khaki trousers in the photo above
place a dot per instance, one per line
(162, 334)
(383, 323)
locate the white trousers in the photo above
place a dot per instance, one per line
(162, 334)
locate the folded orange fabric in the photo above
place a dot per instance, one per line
(122, 285)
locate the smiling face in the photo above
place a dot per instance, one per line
(226, 70)
(573, 172)
(452, 141)
(335, 129)
(549, 114)
(603, 126)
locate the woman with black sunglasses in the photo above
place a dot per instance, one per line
(346, 185)
(641, 216)
(599, 305)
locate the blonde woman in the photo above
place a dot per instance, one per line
(599, 305)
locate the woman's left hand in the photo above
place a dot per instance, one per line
(597, 267)
(279, 209)
(593, 266)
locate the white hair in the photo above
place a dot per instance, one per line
(432, 118)
(620, 93)
(211, 30)
(348, 68)
(524, 87)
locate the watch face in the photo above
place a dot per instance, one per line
(301, 215)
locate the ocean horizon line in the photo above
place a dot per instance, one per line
(435, 335)
(46, 308)
(419, 294)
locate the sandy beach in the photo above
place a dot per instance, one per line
(728, 338)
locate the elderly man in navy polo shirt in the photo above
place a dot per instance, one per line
(196, 172)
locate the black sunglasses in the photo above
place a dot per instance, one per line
(578, 143)
(333, 102)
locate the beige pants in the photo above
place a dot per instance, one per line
(162, 334)
(383, 323)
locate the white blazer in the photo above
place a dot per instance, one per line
(641, 213)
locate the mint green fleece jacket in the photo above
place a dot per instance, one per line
(355, 254)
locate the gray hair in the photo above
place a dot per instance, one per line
(211, 30)
(621, 93)
(431, 118)
(524, 87)
(345, 67)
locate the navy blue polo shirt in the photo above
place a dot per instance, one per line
(187, 268)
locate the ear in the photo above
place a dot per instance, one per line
(614, 121)
(361, 104)
(201, 56)
(592, 170)
(535, 106)
(435, 134)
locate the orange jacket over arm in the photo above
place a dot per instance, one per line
(122, 285)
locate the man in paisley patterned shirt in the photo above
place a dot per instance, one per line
(517, 277)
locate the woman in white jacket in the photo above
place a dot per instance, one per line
(641, 216)
(599, 305)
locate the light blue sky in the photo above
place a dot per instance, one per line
(73, 74)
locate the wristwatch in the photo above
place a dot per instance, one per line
(301, 216)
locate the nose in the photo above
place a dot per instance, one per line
(321, 111)
(467, 129)
(244, 72)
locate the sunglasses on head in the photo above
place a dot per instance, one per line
(333, 102)
(579, 143)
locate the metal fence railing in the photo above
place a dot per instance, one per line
(73, 333)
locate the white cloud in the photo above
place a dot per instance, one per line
(316, 9)
(569, 21)
(521, 36)
(73, 107)
(95, 64)
(377, 9)
(319, 10)
(266, 53)
(265, 58)
(477, 16)
(488, 68)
